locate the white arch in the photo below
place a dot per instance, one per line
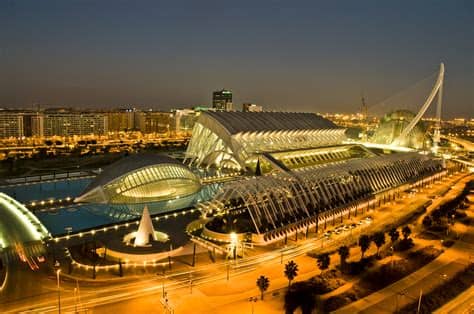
(437, 89)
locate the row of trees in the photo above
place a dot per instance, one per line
(377, 238)
(323, 260)
(290, 271)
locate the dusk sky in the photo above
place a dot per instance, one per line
(285, 55)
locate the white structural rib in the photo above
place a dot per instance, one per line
(437, 88)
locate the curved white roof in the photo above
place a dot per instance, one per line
(229, 138)
(236, 121)
(129, 164)
(141, 178)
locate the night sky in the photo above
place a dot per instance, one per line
(285, 55)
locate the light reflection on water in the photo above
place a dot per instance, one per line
(79, 217)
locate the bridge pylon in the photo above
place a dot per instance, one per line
(437, 90)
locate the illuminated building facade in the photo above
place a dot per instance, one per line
(11, 124)
(234, 139)
(141, 178)
(222, 100)
(74, 123)
(286, 201)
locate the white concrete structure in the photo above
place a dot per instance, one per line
(233, 139)
(145, 230)
(437, 90)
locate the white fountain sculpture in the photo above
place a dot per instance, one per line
(145, 232)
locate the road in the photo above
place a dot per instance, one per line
(122, 294)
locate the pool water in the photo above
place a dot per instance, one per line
(84, 216)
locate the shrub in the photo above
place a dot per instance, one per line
(448, 243)
(300, 294)
(358, 267)
(427, 222)
(403, 245)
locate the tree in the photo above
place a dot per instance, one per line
(364, 243)
(263, 283)
(301, 294)
(394, 235)
(323, 261)
(406, 231)
(379, 240)
(291, 271)
(343, 252)
(436, 215)
(427, 221)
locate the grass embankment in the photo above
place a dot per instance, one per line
(381, 276)
(444, 293)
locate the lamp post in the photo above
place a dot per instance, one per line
(252, 300)
(391, 257)
(58, 270)
(163, 283)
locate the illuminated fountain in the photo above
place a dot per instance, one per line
(146, 233)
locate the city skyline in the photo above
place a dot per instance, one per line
(300, 57)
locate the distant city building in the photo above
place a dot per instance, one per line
(11, 124)
(121, 120)
(33, 124)
(74, 123)
(155, 122)
(249, 107)
(222, 100)
(67, 122)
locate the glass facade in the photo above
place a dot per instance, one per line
(128, 182)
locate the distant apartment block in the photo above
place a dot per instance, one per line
(74, 123)
(11, 124)
(66, 122)
(121, 120)
(222, 100)
(248, 107)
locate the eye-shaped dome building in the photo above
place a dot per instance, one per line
(141, 178)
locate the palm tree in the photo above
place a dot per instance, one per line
(364, 243)
(323, 261)
(394, 235)
(379, 240)
(291, 271)
(406, 231)
(343, 254)
(263, 283)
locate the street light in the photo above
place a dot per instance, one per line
(252, 300)
(391, 257)
(58, 270)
